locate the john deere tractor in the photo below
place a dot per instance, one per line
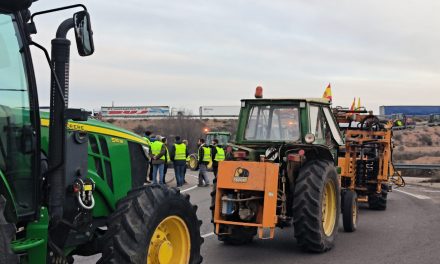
(283, 173)
(69, 185)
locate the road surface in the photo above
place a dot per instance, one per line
(407, 232)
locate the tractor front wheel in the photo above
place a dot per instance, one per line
(7, 233)
(154, 225)
(193, 163)
(316, 206)
(350, 211)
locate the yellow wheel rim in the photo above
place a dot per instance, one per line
(192, 163)
(170, 243)
(329, 208)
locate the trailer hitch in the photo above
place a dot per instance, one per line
(83, 190)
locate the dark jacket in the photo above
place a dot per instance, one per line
(173, 154)
(213, 153)
(158, 159)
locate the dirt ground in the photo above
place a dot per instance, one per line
(420, 145)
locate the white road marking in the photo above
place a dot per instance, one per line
(192, 175)
(431, 191)
(208, 235)
(189, 189)
(418, 196)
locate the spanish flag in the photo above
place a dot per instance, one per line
(352, 108)
(328, 93)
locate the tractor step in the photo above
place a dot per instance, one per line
(26, 244)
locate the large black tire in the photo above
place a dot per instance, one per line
(350, 211)
(378, 201)
(136, 218)
(315, 179)
(237, 235)
(7, 234)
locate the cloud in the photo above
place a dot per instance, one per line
(192, 53)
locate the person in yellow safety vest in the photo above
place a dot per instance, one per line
(187, 160)
(167, 156)
(218, 154)
(158, 156)
(147, 138)
(204, 159)
(178, 154)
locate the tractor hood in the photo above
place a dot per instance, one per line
(99, 127)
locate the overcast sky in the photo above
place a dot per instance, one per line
(193, 53)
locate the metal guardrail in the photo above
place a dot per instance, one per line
(417, 166)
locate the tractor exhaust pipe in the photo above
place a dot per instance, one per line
(57, 127)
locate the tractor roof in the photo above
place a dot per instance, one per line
(275, 100)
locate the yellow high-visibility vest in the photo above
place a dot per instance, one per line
(220, 154)
(168, 158)
(156, 147)
(207, 154)
(148, 141)
(180, 151)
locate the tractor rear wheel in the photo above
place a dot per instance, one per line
(350, 211)
(235, 235)
(316, 206)
(7, 233)
(193, 163)
(154, 225)
(379, 201)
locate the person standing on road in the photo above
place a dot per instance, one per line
(167, 156)
(204, 159)
(158, 155)
(187, 159)
(218, 154)
(151, 138)
(178, 155)
(147, 136)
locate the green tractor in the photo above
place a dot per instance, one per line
(283, 172)
(72, 186)
(223, 139)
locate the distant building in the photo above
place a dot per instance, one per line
(411, 110)
(219, 111)
(135, 111)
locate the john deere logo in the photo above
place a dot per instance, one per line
(241, 175)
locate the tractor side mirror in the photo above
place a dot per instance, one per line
(83, 33)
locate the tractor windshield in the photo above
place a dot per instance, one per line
(273, 123)
(223, 139)
(15, 120)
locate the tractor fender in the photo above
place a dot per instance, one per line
(318, 152)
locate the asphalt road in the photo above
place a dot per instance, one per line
(407, 232)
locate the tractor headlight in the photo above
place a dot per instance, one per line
(309, 138)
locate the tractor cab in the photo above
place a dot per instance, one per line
(267, 124)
